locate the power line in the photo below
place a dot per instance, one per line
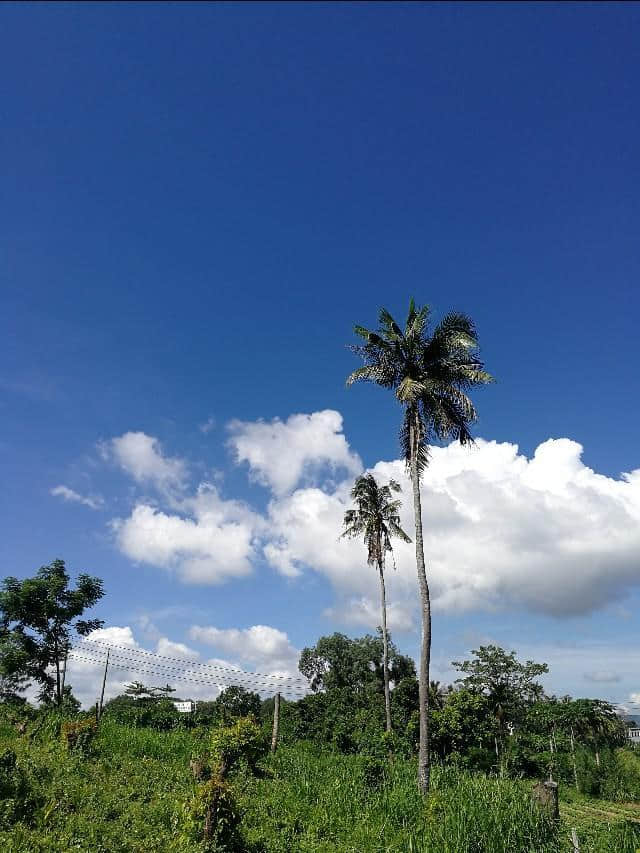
(234, 677)
(131, 650)
(127, 666)
(174, 671)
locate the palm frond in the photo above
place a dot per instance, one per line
(362, 332)
(398, 532)
(416, 320)
(389, 327)
(369, 373)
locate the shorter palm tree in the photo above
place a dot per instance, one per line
(376, 518)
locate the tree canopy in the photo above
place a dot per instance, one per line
(38, 617)
(337, 662)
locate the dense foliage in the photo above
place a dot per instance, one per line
(38, 617)
(134, 791)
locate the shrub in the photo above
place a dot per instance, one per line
(242, 740)
(212, 817)
(79, 734)
(15, 794)
(373, 771)
(158, 714)
(620, 780)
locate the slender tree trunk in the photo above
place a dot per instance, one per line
(58, 691)
(424, 768)
(276, 722)
(573, 756)
(597, 758)
(385, 647)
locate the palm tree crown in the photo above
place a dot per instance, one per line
(429, 373)
(376, 518)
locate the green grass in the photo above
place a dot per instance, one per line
(129, 796)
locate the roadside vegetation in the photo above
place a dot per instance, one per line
(133, 789)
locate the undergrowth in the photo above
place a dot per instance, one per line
(128, 794)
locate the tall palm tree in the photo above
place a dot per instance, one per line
(376, 518)
(430, 375)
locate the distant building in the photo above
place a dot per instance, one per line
(634, 736)
(185, 707)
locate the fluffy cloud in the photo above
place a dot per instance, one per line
(211, 541)
(141, 456)
(67, 494)
(501, 530)
(262, 646)
(545, 533)
(281, 453)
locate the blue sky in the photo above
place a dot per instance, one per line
(198, 203)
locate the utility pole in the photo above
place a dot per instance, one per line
(104, 681)
(276, 723)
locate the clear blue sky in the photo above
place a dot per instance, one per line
(198, 201)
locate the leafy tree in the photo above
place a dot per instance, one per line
(404, 702)
(591, 722)
(463, 727)
(15, 664)
(68, 704)
(509, 685)
(430, 375)
(38, 617)
(337, 662)
(235, 702)
(376, 518)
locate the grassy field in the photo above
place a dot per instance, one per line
(130, 792)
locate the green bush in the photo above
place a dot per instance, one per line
(242, 740)
(78, 735)
(212, 818)
(16, 802)
(158, 714)
(620, 780)
(135, 793)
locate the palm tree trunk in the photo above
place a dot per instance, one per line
(424, 768)
(385, 648)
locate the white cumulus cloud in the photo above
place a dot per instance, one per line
(281, 453)
(546, 533)
(141, 457)
(210, 541)
(267, 649)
